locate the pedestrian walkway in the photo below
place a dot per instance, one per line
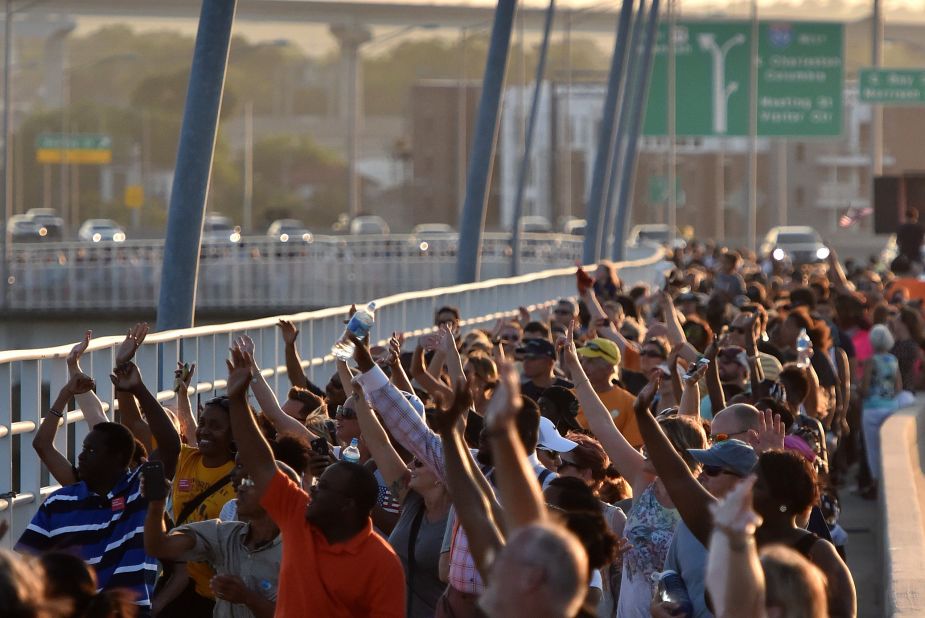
(861, 520)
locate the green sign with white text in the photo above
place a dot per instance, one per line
(892, 86)
(800, 79)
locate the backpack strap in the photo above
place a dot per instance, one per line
(195, 503)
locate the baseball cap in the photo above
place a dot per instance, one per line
(537, 347)
(601, 348)
(552, 440)
(733, 455)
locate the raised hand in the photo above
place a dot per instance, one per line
(713, 349)
(133, 339)
(245, 344)
(73, 357)
(288, 330)
(80, 383)
(696, 376)
(126, 377)
(182, 377)
(445, 423)
(770, 432)
(523, 315)
(566, 344)
(506, 401)
(647, 395)
(395, 343)
(733, 514)
(239, 373)
(361, 354)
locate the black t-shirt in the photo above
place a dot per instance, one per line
(909, 238)
(531, 390)
(633, 381)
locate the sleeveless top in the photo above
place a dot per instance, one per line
(649, 528)
(882, 389)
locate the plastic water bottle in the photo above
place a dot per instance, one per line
(352, 452)
(804, 348)
(358, 326)
(670, 588)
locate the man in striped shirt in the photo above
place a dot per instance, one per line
(101, 518)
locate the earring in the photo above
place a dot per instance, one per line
(783, 508)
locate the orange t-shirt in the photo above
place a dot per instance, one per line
(620, 403)
(629, 360)
(915, 288)
(360, 577)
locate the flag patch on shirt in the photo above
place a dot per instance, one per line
(185, 484)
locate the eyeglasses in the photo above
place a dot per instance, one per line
(345, 413)
(510, 338)
(717, 470)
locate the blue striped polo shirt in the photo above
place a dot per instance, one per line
(106, 531)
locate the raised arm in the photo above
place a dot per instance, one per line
(627, 459)
(397, 373)
(755, 370)
(160, 544)
(89, 404)
(690, 395)
(520, 494)
(735, 579)
(454, 365)
(672, 320)
(127, 378)
(255, 454)
(44, 441)
(439, 391)
(472, 505)
(269, 405)
(293, 361)
(714, 386)
(398, 415)
(184, 407)
(688, 495)
(129, 412)
(389, 464)
(599, 316)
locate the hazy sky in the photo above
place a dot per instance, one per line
(313, 38)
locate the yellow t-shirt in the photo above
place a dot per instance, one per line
(193, 478)
(620, 403)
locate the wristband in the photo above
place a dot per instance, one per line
(54, 412)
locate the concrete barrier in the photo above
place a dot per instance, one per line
(902, 510)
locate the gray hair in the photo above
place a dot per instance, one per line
(881, 339)
(561, 555)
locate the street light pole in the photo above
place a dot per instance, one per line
(752, 212)
(876, 111)
(7, 150)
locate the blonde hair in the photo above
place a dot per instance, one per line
(793, 585)
(684, 433)
(484, 368)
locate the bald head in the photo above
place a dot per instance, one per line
(542, 571)
(740, 421)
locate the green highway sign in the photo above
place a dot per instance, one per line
(892, 86)
(74, 141)
(800, 79)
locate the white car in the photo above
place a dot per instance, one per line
(369, 224)
(101, 230)
(286, 230)
(219, 228)
(434, 237)
(654, 233)
(533, 224)
(794, 244)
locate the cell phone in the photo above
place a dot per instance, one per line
(155, 482)
(695, 367)
(181, 378)
(321, 447)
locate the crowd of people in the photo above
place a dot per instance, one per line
(675, 448)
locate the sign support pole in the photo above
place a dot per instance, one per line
(752, 207)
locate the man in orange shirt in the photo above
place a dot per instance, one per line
(333, 563)
(599, 358)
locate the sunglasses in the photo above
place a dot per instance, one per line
(651, 354)
(509, 338)
(345, 413)
(548, 453)
(563, 312)
(717, 470)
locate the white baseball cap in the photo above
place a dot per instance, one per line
(551, 440)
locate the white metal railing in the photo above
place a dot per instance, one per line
(261, 272)
(30, 379)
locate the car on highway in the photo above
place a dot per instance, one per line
(434, 237)
(24, 229)
(48, 219)
(101, 230)
(575, 227)
(795, 245)
(535, 224)
(289, 230)
(654, 233)
(218, 229)
(369, 224)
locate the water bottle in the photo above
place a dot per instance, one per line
(670, 588)
(804, 349)
(359, 326)
(352, 452)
